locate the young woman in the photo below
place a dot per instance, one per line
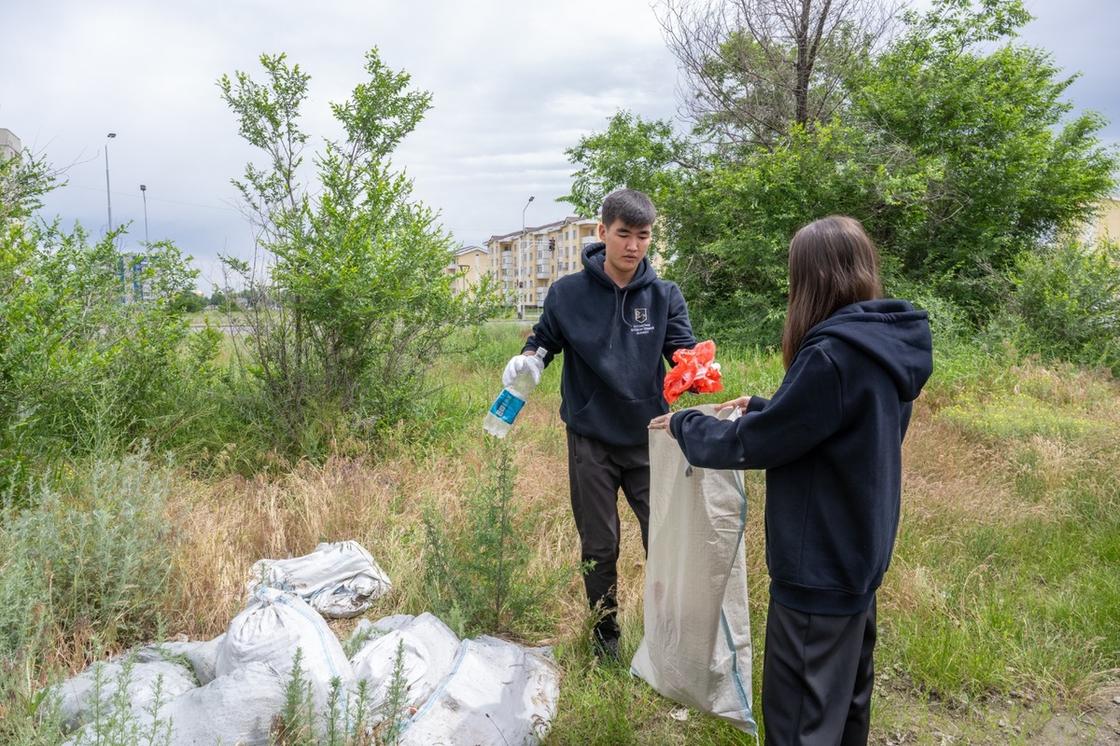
(830, 441)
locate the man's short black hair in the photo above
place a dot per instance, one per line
(630, 206)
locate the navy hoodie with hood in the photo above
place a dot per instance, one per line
(830, 441)
(614, 341)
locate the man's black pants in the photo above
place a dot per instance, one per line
(817, 676)
(596, 470)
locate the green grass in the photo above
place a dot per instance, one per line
(1001, 603)
(1024, 605)
(1024, 599)
(1008, 418)
(1019, 607)
(605, 704)
(215, 318)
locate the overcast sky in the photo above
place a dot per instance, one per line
(513, 85)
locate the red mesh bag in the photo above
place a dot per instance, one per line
(695, 370)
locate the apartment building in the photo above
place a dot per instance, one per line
(471, 264)
(136, 278)
(1104, 224)
(10, 145)
(528, 262)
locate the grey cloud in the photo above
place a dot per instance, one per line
(514, 86)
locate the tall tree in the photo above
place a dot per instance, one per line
(955, 146)
(756, 67)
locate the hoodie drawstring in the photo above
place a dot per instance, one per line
(620, 309)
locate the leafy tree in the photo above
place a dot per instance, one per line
(957, 154)
(634, 152)
(1005, 169)
(356, 301)
(24, 179)
(189, 301)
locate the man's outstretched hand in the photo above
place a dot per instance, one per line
(521, 363)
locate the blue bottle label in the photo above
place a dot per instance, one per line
(506, 407)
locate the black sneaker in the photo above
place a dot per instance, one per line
(606, 649)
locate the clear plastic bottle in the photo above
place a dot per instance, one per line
(499, 419)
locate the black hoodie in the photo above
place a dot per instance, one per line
(830, 441)
(613, 340)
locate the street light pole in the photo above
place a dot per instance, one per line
(520, 303)
(108, 199)
(144, 194)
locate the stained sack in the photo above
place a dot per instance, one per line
(497, 693)
(339, 579)
(697, 644)
(97, 690)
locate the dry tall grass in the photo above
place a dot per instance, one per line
(959, 476)
(225, 526)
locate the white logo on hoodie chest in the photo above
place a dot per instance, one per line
(641, 323)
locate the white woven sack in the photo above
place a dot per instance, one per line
(271, 628)
(497, 693)
(201, 654)
(697, 644)
(340, 579)
(81, 697)
(234, 709)
(428, 648)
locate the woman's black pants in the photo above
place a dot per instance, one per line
(817, 676)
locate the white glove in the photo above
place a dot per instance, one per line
(520, 363)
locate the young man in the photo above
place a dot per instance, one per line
(615, 322)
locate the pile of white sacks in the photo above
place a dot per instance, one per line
(229, 690)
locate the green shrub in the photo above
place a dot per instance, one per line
(477, 572)
(85, 365)
(92, 557)
(358, 301)
(1069, 301)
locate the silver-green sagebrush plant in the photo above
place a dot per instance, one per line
(83, 570)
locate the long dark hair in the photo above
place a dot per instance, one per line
(832, 263)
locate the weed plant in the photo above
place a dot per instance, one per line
(83, 571)
(350, 718)
(477, 573)
(91, 557)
